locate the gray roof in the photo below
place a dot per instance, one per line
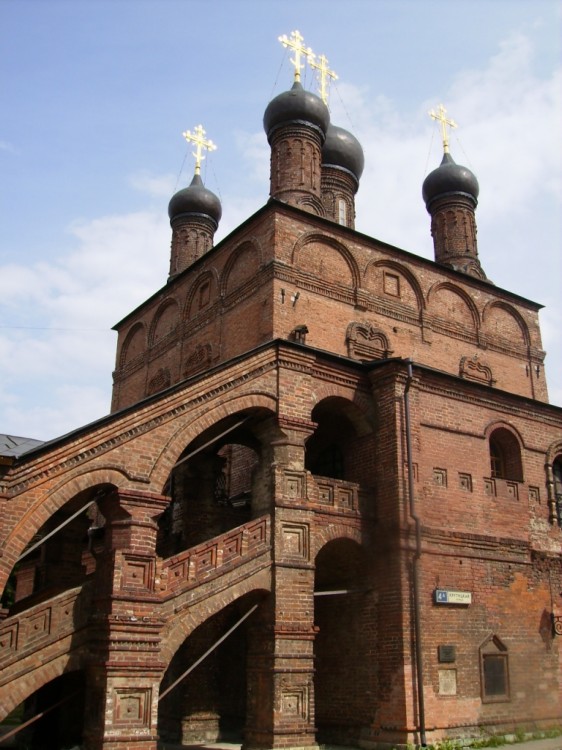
(12, 446)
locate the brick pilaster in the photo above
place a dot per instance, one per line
(281, 670)
(125, 671)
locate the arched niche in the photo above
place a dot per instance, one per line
(134, 345)
(202, 294)
(242, 265)
(165, 320)
(394, 282)
(452, 305)
(326, 259)
(505, 322)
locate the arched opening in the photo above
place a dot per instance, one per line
(61, 554)
(209, 704)
(58, 710)
(221, 481)
(345, 682)
(342, 442)
(505, 455)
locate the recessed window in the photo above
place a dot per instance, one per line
(495, 675)
(342, 212)
(505, 455)
(497, 462)
(494, 670)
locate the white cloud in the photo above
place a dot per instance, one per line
(6, 146)
(158, 186)
(69, 306)
(54, 381)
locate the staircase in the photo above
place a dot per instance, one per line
(37, 644)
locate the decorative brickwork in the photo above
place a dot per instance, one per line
(330, 485)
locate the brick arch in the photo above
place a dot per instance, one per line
(167, 312)
(181, 625)
(312, 202)
(326, 533)
(460, 292)
(190, 428)
(210, 275)
(325, 390)
(554, 451)
(410, 277)
(510, 451)
(18, 690)
(46, 505)
(518, 323)
(344, 253)
(244, 262)
(134, 345)
(498, 424)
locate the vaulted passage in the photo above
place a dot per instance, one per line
(219, 483)
(345, 654)
(60, 707)
(209, 704)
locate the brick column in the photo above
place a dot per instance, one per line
(125, 672)
(280, 669)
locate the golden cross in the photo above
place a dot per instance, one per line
(296, 43)
(198, 137)
(324, 73)
(440, 116)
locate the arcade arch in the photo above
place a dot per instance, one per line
(345, 616)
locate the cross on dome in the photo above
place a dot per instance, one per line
(324, 74)
(440, 117)
(198, 138)
(295, 42)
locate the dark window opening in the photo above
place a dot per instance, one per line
(494, 671)
(329, 463)
(497, 460)
(505, 456)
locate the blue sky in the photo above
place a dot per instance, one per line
(96, 94)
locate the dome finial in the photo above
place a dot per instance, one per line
(324, 74)
(198, 138)
(295, 42)
(440, 116)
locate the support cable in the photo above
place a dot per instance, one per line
(36, 717)
(209, 442)
(54, 531)
(209, 651)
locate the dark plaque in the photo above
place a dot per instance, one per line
(447, 654)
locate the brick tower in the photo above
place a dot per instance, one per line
(450, 193)
(326, 506)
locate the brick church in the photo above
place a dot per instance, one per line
(326, 506)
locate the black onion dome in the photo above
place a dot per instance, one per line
(296, 105)
(195, 199)
(342, 149)
(449, 178)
